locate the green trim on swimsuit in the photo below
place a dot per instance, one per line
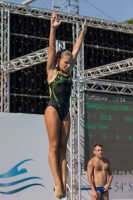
(56, 84)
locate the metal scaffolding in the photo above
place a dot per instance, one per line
(106, 87)
(82, 79)
(70, 6)
(5, 49)
(113, 68)
(29, 60)
(66, 17)
(41, 56)
(74, 192)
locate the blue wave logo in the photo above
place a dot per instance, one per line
(15, 172)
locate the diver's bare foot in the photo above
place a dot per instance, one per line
(64, 190)
(58, 190)
(63, 196)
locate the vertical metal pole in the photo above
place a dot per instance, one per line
(69, 195)
(78, 135)
(81, 115)
(73, 172)
(75, 192)
(1, 37)
(2, 86)
(5, 41)
(6, 57)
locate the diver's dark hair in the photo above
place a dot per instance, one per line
(97, 144)
(59, 54)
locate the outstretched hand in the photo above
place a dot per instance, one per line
(54, 20)
(84, 26)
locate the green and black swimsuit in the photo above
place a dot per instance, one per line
(60, 89)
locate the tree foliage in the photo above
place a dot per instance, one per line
(129, 21)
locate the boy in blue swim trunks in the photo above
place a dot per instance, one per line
(98, 169)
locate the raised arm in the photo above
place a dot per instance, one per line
(90, 170)
(78, 43)
(51, 52)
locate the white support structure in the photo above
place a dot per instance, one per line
(41, 56)
(5, 52)
(26, 61)
(66, 17)
(60, 45)
(74, 178)
(109, 69)
(118, 88)
(69, 6)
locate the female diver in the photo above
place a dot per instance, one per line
(57, 116)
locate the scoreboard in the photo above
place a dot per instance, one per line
(109, 121)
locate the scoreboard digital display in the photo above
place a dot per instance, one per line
(109, 121)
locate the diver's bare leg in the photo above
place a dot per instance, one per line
(53, 125)
(64, 134)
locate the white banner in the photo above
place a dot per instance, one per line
(24, 169)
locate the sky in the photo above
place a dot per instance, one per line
(115, 10)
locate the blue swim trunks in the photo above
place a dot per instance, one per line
(101, 189)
